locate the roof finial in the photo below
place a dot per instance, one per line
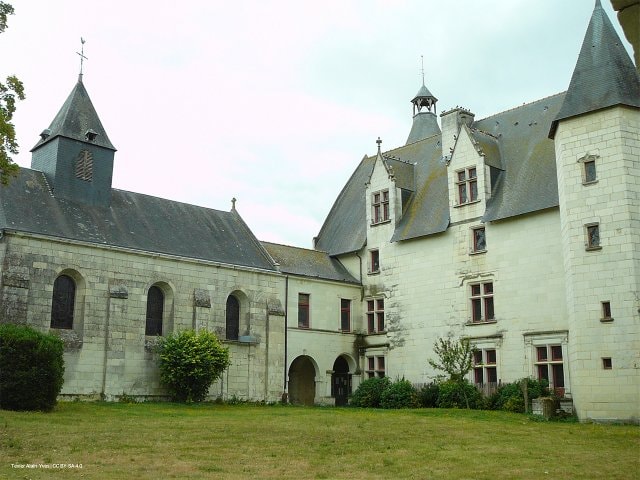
(82, 57)
(379, 142)
(422, 67)
(233, 203)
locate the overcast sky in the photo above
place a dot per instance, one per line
(276, 102)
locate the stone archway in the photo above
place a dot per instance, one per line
(341, 381)
(302, 381)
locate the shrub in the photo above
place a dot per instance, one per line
(458, 394)
(399, 394)
(509, 396)
(369, 392)
(190, 362)
(31, 368)
(428, 395)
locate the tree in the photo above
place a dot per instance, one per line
(10, 91)
(190, 362)
(455, 358)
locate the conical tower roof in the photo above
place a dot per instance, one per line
(604, 75)
(78, 120)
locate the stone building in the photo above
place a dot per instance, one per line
(519, 231)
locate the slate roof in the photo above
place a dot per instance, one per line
(134, 221)
(604, 74)
(425, 124)
(345, 228)
(308, 263)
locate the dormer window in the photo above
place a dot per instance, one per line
(91, 135)
(467, 182)
(380, 207)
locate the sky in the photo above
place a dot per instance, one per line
(276, 102)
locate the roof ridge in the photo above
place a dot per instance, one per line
(526, 104)
(293, 246)
(168, 199)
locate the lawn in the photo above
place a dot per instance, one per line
(158, 441)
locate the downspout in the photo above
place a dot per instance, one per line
(286, 311)
(361, 285)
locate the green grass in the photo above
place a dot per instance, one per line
(158, 441)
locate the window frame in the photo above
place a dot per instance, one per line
(375, 315)
(485, 360)
(376, 366)
(467, 185)
(549, 363)
(63, 301)
(475, 247)
(380, 212)
(345, 314)
(304, 305)
(590, 242)
(374, 261)
(484, 299)
(232, 325)
(607, 316)
(589, 169)
(153, 326)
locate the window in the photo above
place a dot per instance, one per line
(232, 318)
(380, 207)
(482, 302)
(479, 240)
(593, 236)
(467, 182)
(375, 315)
(375, 261)
(63, 302)
(589, 170)
(155, 311)
(484, 367)
(606, 312)
(345, 315)
(549, 365)
(607, 364)
(84, 166)
(375, 367)
(303, 310)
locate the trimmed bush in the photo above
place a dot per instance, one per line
(31, 368)
(428, 395)
(399, 394)
(459, 394)
(190, 362)
(369, 392)
(509, 396)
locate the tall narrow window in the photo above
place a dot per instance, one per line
(479, 240)
(593, 236)
(484, 368)
(232, 318)
(380, 206)
(467, 182)
(84, 166)
(303, 310)
(155, 311)
(550, 366)
(375, 261)
(375, 315)
(345, 315)
(482, 302)
(606, 312)
(63, 302)
(589, 170)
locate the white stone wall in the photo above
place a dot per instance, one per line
(610, 273)
(107, 352)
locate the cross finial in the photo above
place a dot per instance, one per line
(379, 142)
(233, 203)
(422, 67)
(82, 57)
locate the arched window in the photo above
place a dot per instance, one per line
(233, 318)
(155, 309)
(62, 305)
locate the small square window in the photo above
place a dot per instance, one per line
(542, 353)
(491, 356)
(556, 353)
(607, 364)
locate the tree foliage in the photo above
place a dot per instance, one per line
(455, 358)
(31, 368)
(190, 362)
(10, 91)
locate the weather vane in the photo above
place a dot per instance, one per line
(422, 67)
(81, 53)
